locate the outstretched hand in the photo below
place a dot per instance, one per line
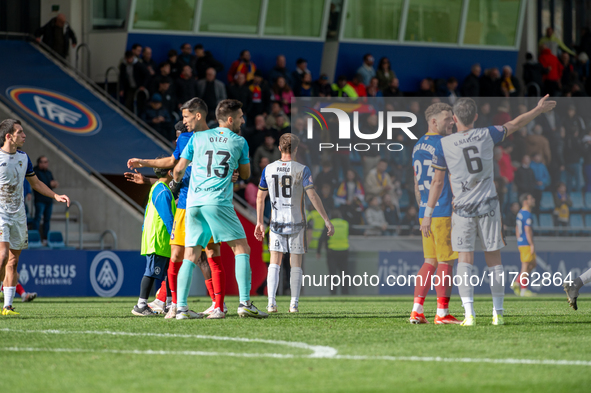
(134, 163)
(136, 177)
(545, 105)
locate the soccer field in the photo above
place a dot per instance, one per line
(332, 345)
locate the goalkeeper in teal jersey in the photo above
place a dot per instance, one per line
(214, 155)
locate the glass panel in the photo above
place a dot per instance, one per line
(294, 17)
(164, 15)
(433, 21)
(230, 16)
(373, 19)
(492, 22)
(109, 14)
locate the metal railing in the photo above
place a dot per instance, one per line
(113, 235)
(80, 224)
(80, 46)
(142, 126)
(137, 93)
(534, 85)
(112, 68)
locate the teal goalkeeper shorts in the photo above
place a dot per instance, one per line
(204, 222)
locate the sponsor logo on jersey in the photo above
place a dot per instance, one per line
(55, 109)
(106, 274)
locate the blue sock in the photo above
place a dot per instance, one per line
(184, 280)
(243, 276)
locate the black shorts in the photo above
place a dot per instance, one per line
(156, 266)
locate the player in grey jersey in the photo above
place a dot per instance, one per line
(285, 181)
(468, 156)
(15, 166)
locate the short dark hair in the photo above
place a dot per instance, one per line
(523, 198)
(198, 46)
(172, 52)
(342, 78)
(161, 172)
(128, 54)
(288, 142)
(8, 127)
(195, 105)
(365, 56)
(465, 110)
(134, 46)
(435, 109)
(226, 108)
(163, 64)
(39, 159)
(184, 44)
(180, 126)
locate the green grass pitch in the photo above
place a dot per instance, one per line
(367, 343)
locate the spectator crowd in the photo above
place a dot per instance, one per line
(374, 190)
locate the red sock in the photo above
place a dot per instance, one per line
(19, 289)
(423, 282)
(210, 291)
(524, 280)
(444, 272)
(173, 272)
(218, 277)
(161, 294)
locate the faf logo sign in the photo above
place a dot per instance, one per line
(106, 274)
(56, 109)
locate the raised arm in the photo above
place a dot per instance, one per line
(521, 121)
(165, 162)
(42, 189)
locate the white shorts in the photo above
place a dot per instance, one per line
(14, 231)
(489, 227)
(293, 244)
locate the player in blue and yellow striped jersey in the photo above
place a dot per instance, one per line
(437, 247)
(525, 242)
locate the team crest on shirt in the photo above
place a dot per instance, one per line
(20, 163)
(55, 109)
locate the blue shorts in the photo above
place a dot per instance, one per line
(204, 222)
(156, 266)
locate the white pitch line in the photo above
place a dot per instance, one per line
(320, 352)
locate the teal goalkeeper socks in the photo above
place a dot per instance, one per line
(184, 282)
(243, 276)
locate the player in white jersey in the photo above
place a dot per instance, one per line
(15, 166)
(468, 156)
(285, 181)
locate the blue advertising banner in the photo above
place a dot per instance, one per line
(81, 273)
(41, 92)
(553, 268)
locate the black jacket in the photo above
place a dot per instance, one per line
(48, 33)
(204, 62)
(471, 86)
(140, 75)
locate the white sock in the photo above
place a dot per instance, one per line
(442, 312)
(464, 270)
(497, 289)
(9, 293)
(418, 307)
(586, 277)
(523, 291)
(295, 284)
(158, 302)
(142, 302)
(273, 282)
